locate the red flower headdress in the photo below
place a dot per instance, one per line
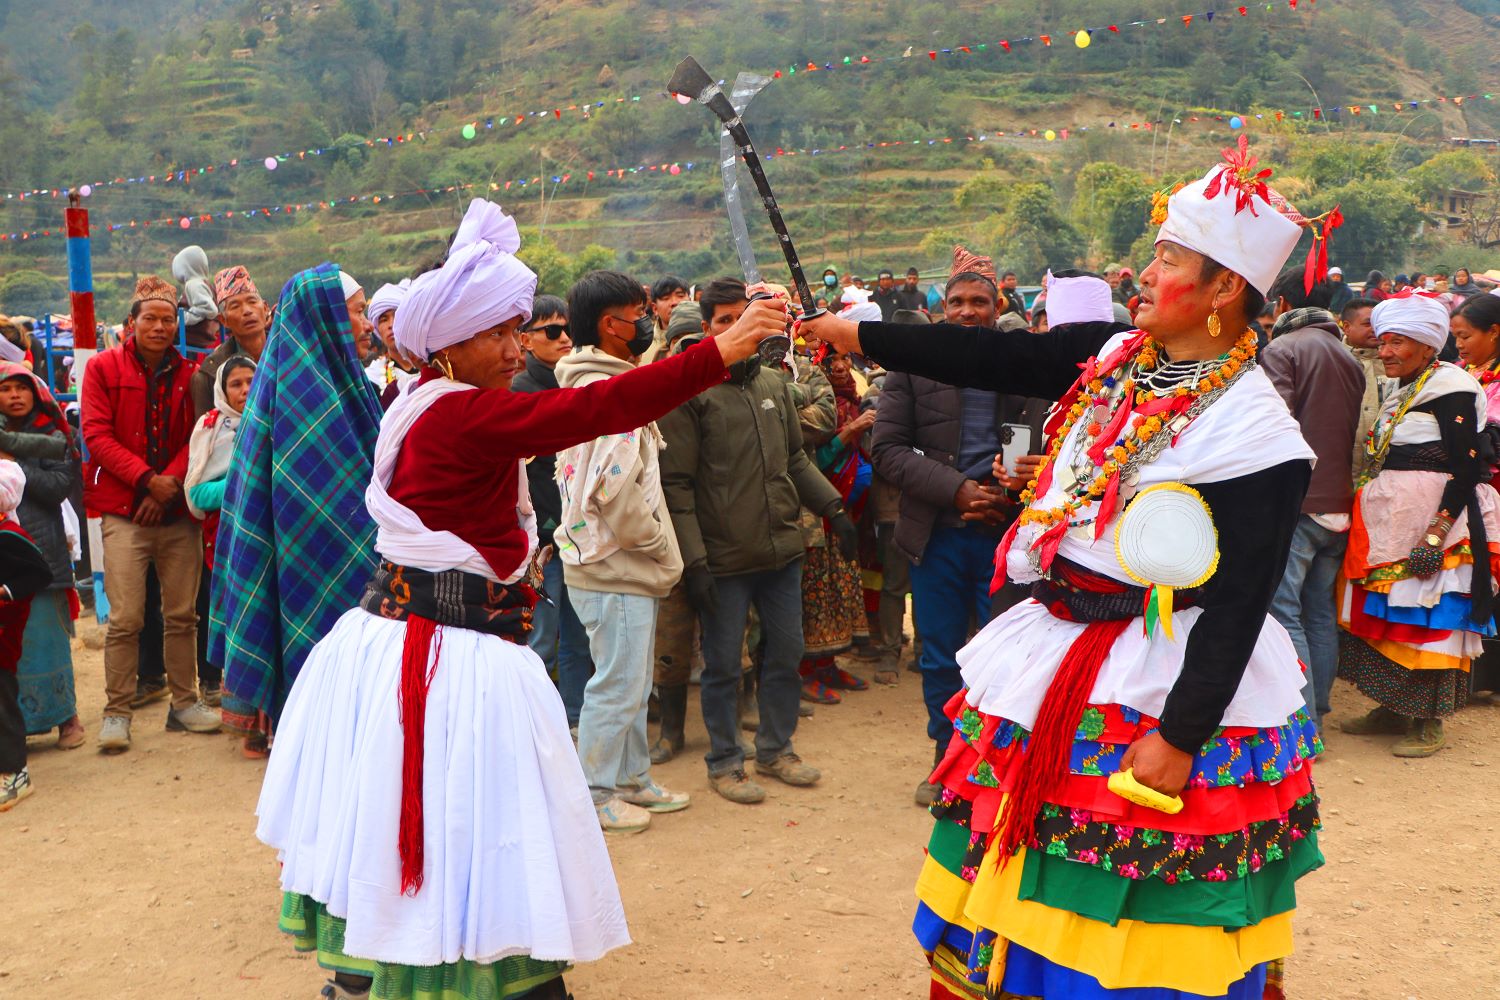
(1238, 174)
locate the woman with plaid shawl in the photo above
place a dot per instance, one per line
(436, 834)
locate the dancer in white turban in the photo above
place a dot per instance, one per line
(389, 371)
(436, 834)
(1419, 567)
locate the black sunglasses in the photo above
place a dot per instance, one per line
(552, 330)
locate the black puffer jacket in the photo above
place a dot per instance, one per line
(52, 474)
(541, 469)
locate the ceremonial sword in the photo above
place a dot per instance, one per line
(693, 81)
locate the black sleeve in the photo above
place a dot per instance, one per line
(1009, 361)
(23, 568)
(1255, 516)
(1458, 426)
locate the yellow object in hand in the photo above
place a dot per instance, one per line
(1123, 784)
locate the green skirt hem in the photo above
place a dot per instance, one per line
(314, 929)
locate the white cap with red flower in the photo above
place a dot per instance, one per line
(1228, 216)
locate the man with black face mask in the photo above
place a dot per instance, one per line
(736, 478)
(619, 556)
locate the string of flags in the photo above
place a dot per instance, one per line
(1062, 133)
(190, 220)
(587, 110)
(1082, 38)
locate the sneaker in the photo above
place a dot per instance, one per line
(618, 816)
(148, 691)
(114, 735)
(1379, 721)
(836, 676)
(14, 788)
(736, 786)
(196, 718)
(790, 769)
(213, 694)
(1423, 739)
(654, 798)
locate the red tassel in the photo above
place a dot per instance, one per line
(1115, 429)
(1309, 270)
(1107, 505)
(1049, 541)
(411, 704)
(1051, 741)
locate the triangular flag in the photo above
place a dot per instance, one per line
(1187, 19)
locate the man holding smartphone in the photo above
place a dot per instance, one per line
(937, 444)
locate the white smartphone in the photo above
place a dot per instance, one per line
(1015, 441)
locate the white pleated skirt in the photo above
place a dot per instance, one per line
(515, 863)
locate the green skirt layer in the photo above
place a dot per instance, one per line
(1106, 896)
(1233, 904)
(313, 928)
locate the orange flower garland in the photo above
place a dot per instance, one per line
(1141, 430)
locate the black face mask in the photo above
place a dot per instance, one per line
(645, 333)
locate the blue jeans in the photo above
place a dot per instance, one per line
(559, 640)
(777, 596)
(1304, 605)
(612, 728)
(950, 587)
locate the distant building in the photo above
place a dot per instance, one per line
(1453, 208)
(242, 55)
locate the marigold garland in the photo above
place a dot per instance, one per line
(1134, 437)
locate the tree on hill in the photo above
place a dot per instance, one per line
(1112, 206)
(31, 293)
(1029, 234)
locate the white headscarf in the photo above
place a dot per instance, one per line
(351, 287)
(386, 298)
(481, 285)
(212, 443)
(1419, 317)
(1084, 299)
(861, 312)
(12, 485)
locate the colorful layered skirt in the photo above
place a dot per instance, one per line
(1105, 898)
(1407, 641)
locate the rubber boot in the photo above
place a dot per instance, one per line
(927, 793)
(669, 744)
(749, 707)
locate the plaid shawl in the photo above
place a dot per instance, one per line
(295, 543)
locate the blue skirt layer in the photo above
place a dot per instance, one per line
(1028, 974)
(45, 671)
(1451, 614)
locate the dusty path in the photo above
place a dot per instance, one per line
(139, 877)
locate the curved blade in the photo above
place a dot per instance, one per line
(746, 86)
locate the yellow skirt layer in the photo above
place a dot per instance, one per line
(1204, 960)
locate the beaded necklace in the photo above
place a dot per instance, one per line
(1135, 405)
(1378, 441)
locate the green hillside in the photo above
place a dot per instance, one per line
(96, 91)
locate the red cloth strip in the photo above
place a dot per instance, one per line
(1052, 736)
(417, 651)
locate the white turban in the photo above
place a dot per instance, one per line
(386, 298)
(1083, 299)
(482, 285)
(861, 312)
(854, 296)
(1422, 318)
(12, 485)
(350, 286)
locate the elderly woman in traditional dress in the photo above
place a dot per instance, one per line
(435, 830)
(1173, 464)
(1419, 568)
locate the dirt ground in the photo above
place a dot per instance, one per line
(139, 876)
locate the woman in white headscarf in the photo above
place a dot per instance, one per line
(1420, 562)
(389, 371)
(435, 830)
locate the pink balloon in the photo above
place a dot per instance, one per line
(683, 99)
(675, 170)
(86, 190)
(185, 222)
(270, 163)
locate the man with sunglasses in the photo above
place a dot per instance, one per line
(558, 637)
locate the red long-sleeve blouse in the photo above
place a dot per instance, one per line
(458, 467)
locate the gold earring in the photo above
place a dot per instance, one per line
(1214, 327)
(444, 365)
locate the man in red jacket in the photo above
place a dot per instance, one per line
(137, 417)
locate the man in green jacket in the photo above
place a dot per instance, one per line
(735, 476)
